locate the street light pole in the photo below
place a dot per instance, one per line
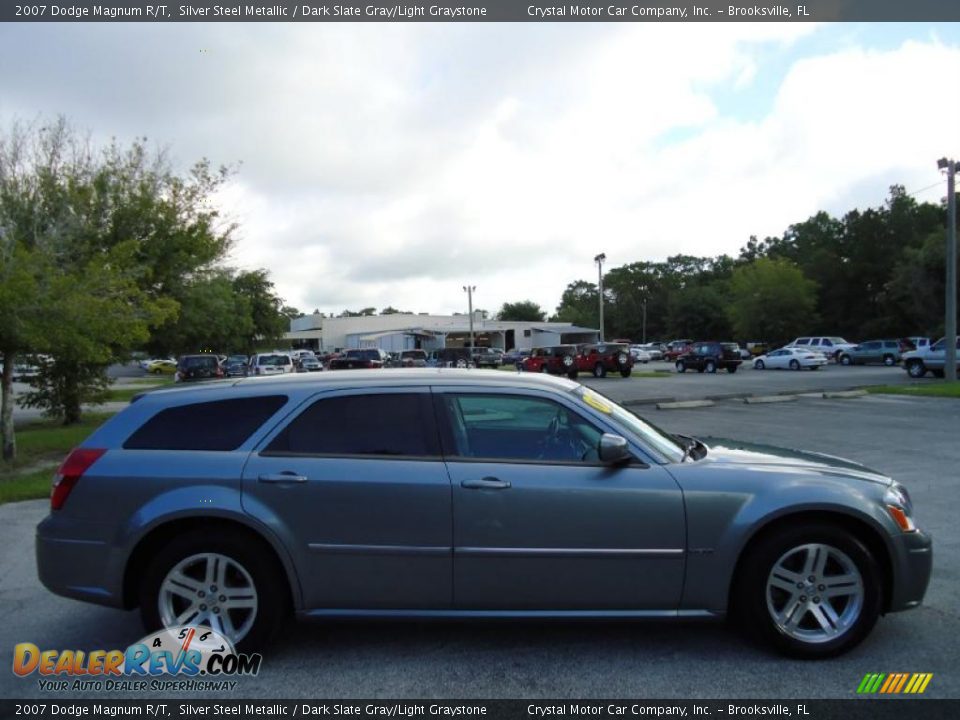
(950, 324)
(469, 290)
(644, 321)
(599, 261)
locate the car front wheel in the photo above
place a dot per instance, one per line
(915, 369)
(599, 370)
(811, 590)
(889, 360)
(710, 367)
(845, 360)
(681, 366)
(222, 581)
(759, 365)
(794, 364)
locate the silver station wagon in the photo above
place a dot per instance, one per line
(463, 493)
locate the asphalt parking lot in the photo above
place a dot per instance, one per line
(912, 439)
(671, 385)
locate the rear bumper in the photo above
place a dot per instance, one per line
(74, 560)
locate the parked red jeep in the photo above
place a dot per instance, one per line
(602, 358)
(556, 359)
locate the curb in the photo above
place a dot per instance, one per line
(844, 394)
(647, 401)
(684, 404)
(759, 399)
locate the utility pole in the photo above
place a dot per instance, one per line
(469, 290)
(950, 324)
(599, 261)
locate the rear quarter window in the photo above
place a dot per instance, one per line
(220, 425)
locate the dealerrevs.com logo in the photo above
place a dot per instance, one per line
(202, 659)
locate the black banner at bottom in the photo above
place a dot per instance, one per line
(902, 708)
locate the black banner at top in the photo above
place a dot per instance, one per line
(484, 11)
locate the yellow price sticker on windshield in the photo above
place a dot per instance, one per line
(597, 403)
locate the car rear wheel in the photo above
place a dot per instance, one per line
(626, 372)
(710, 367)
(570, 367)
(759, 365)
(794, 364)
(223, 581)
(681, 366)
(916, 369)
(811, 590)
(599, 370)
(732, 369)
(889, 360)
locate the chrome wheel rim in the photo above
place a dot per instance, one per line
(209, 589)
(814, 593)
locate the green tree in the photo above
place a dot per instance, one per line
(770, 299)
(526, 310)
(578, 305)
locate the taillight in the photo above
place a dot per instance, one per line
(69, 472)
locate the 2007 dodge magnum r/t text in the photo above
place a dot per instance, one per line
(458, 493)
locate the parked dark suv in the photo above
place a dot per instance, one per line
(710, 356)
(198, 367)
(602, 358)
(556, 359)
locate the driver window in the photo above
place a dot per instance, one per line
(516, 427)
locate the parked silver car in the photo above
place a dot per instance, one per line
(428, 493)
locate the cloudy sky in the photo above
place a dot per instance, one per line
(393, 164)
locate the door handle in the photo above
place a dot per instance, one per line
(287, 476)
(487, 483)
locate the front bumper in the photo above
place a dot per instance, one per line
(912, 566)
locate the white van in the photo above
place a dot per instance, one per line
(273, 363)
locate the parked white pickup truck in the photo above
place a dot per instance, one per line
(932, 359)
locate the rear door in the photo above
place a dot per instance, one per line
(355, 485)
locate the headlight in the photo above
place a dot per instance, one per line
(900, 508)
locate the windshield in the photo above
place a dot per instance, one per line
(649, 434)
(274, 359)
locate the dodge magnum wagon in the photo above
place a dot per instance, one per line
(427, 493)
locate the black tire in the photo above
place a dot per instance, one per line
(846, 360)
(889, 360)
(916, 368)
(752, 604)
(732, 368)
(599, 370)
(269, 580)
(759, 365)
(572, 373)
(681, 366)
(543, 368)
(795, 364)
(710, 366)
(626, 372)
(939, 374)
(814, 367)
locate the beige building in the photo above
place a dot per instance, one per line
(406, 331)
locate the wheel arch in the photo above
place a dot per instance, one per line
(162, 533)
(860, 528)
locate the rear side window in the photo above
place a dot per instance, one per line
(220, 425)
(394, 424)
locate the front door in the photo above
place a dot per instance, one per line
(540, 524)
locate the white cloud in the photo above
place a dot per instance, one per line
(390, 165)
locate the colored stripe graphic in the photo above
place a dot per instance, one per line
(894, 683)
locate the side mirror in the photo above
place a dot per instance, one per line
(613, 449)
